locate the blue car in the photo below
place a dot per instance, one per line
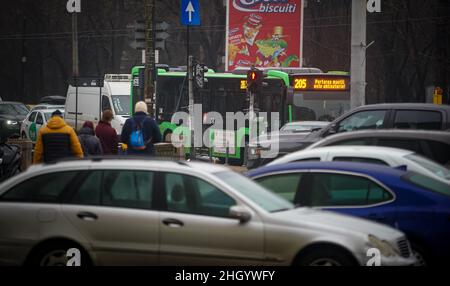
(413, 203)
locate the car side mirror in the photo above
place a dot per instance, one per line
(332, 130)
(240, 213)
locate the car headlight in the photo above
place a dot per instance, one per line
(382, 245)
(11, 122)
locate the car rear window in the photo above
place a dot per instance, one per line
(418, 119)
(427, 183)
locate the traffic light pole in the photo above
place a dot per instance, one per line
(191, 105)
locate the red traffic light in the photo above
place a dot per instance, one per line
(254, 80)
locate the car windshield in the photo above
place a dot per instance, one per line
(428, 183)
(256, 193)
(433, 167)
(121, 104)
(13, 109)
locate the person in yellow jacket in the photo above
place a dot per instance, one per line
(56, 140)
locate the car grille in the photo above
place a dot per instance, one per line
(404, 248)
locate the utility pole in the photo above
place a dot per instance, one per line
(23, 58)
(149, 89)
(358, 54)
(75, 67)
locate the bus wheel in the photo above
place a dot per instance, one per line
(168, 136)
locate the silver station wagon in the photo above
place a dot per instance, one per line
(144, 212)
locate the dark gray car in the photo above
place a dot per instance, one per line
(416, 116)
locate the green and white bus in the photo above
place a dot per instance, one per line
(297, 94)
(222, 93)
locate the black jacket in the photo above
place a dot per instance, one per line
(91, 145)
(150, 130)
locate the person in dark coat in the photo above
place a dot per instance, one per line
(90, 144)
(107, 134)
(148, 126)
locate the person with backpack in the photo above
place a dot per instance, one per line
(89, 143)
(140, 132)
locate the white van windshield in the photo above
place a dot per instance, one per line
(121, 104)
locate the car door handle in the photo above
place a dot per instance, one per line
(87, 216)
(173, 222)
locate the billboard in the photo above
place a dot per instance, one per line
(264, 33)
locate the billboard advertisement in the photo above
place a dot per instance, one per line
(264, 33)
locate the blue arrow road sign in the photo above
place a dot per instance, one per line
(190, 13)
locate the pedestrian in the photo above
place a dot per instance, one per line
(89, 143)
(140, 132)
(107, 134)
(56, 140)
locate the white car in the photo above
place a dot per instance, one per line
(34, 121)
(370, 154)
(149, 212)
(47, 106)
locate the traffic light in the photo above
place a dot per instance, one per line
(161, 35)
(138, 42)
(199, 75)
(254, 80)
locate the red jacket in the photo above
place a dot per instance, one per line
(108, 138)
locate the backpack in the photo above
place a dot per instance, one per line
(137, 137)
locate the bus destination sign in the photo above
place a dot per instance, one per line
(320, 82)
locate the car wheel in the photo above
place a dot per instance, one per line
(55, 254)
(326, 257)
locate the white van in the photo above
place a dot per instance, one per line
(115, 95)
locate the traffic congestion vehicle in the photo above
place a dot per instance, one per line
(386, 156)
(413, 116)
(34, 121)
(47, 106)
(11, 116)
(148, 212)
(411, 202)
(434, 145)
(95, 96)
(303, 126)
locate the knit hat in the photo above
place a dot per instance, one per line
(141, 107)
(88, 124)
(57, 113)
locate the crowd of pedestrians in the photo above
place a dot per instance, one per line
(57, 140)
